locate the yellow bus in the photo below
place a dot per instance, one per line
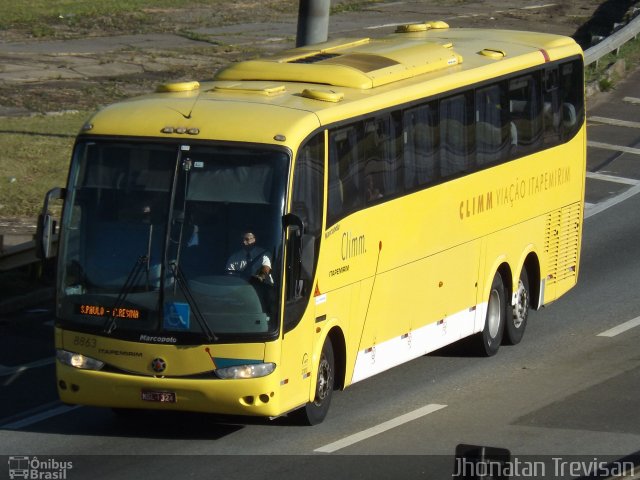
(249, 244)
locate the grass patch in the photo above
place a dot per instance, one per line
(35, 158)
(15, 13)
(78, 18)
(42, 17)
(355, 6)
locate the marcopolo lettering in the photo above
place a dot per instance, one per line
(150, 339)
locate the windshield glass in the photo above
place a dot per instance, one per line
(182, 240)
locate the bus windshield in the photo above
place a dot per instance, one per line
(153, 240)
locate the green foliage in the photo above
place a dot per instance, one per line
(72, 18)
(630, 52)
(34, 158)
(605, 84)
(354, 6)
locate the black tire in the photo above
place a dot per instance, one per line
(127, 413)
(315, 412)
(489, 339)
(519, 313)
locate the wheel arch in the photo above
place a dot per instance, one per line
(532, 265)
(506, 273)
(340, 356)
(502, 267)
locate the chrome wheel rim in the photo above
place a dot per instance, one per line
(521, 306)
(324, 380)
(493, 313)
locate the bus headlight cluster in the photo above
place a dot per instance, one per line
(78, 360)
(246, 371)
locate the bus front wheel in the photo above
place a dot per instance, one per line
(314, 412)
(489, 339)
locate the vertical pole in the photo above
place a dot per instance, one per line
(313, 22)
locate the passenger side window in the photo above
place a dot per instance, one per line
(381, 158)
(388, 154)
(456, 151)
(420, 154)
(524, 110)
(344, 174)
(493, 133)
(308, 184)
(551, 106)
(572, 98)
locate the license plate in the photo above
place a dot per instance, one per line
(163, 397)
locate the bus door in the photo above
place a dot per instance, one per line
(303, 229)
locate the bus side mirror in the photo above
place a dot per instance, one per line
(47, 226)
(303, 246)
(301, 254)
(308, 256)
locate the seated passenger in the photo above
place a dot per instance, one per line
(373, 192)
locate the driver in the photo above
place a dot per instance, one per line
(251, 258)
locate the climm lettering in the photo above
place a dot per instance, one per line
(352, 245)
(476, 205)
(512, 193)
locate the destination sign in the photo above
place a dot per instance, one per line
(102, 311)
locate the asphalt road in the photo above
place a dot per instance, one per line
(567, 394)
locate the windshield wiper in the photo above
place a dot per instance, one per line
(180, 279)
(110, 325)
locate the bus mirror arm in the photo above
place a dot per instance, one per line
(46, 228)
(290, 220)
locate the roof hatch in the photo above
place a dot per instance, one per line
(267, 89)
(493, 53)
(422, 27)
(359, 63)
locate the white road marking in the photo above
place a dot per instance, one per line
(39, 417)
(612, 178)
(612, 332)
(633, 100)
(386, 25)
(602, 206)
(4, 370)
(616, 148)
(614, 121)
(534, 7)
(383, 427)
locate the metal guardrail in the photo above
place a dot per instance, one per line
(613, 42)
(17, 256)
(24, 254)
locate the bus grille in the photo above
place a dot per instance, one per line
(562, 241)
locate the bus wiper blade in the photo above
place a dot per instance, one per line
(188, 295)
(110, 325)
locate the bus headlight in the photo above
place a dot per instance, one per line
(246, 371)
(78, 360)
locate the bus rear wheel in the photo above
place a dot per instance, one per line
(518, 315)
(489, 339)
(314, 412)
